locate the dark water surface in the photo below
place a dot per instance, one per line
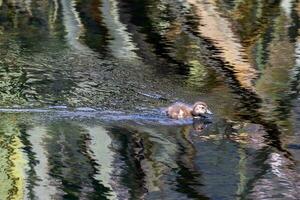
(83, 84)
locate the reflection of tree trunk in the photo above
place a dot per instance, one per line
(271, 126)
(53, 14)
(39, 182)
(67, 157)
(129, 146)
(218, 30)
(242, 172)
(73, 25)
(151, 44)
(280, 180)
(96, 34)
(240, 79)
(121, 44)
(168, 156)
(99, 145)
(188, 178)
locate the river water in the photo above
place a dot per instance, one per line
(84, 84)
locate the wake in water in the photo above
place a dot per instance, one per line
(154, 116)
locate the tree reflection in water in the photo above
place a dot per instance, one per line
(120, 61)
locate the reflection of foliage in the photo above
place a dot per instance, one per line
(12, 85)
(274, 83)
(198, 74)
(70, 163)
(253, 19)
(263, 29)
(152, 156)
(31, 175)
(260, 26)
(11, 160)
(164, 23)
(23, 32)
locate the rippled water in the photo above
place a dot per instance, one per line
(84, 84)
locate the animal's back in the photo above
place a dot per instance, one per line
(179, 111)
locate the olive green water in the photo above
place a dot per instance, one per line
(83, 85)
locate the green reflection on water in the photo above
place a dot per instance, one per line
(13, 161)
(71, 53)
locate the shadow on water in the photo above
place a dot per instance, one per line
(83, 85)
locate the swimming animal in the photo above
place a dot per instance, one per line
(181, 110)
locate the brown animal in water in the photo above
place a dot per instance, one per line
(181, 110)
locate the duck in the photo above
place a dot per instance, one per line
(180, 110)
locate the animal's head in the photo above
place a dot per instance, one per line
(200, 108)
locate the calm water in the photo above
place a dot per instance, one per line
(83, 84)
